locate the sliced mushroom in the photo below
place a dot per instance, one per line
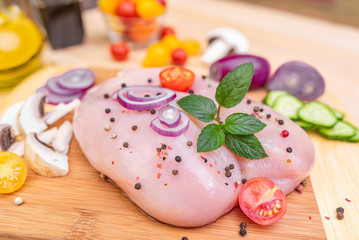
(10, 116)
(60, 110)
(31, 115)
(223, 41)
(63, 137)
(43, 159)
(7, 137)
(17, 148)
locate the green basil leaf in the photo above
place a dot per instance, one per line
(210, 138)
(234, 86)
(243, 124)
(247, 146)
(202, 108)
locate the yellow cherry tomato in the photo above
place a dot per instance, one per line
(157, 55)
(171, 42)
(149, 8)
(191, 46)
(13, 172)
(108, 6)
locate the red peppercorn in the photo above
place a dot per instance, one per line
(284, 133)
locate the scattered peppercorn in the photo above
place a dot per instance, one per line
(107, 110)
(243, 225)
(190, 91)
(304, 183)
(255, 109)
(226, 169)
(163, 158)
(244, 180)
(112, 119)
(284, 133)
(178, 158)
(147, 95)
(268, 116)
(226, 184)
(153, 111)
(138, 186)
(205, 160)
(204, 77)
(289, 149)
(134, 127)
(107, 127)
(106, 95)
(280, 122)
(249, 101)
(164, 146)
(159, 150)
(113, 136)
(184, 238)
(125, 144)
(123, 85)
(228, 174)
(189, 143)
(231, 166)
(340, 209)
(175, 172)
(149, 80)
(300, 188)
(157, 94)
(261, 109)
(242, 232)
(340, 215)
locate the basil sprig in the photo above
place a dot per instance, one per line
(237, 131)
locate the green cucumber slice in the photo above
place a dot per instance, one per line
(272, 97)
(354, 138)
(318, 114)
(305, 125)
(288, 105)
(339, 115)
(340, 131)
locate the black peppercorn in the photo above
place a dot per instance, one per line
(163, 146)
(159, 150)
(157, 94)
(244, 180)
(106, 95)
(340, 215)
(204, 77)
(226, 169)
(280, 122)
(138, 186)
(189, 143)
(153, 111)
(149, 80)
(289, 149)
(190, 91)
(268, 116)
(231, 166)
(243, 225)
(242, 232)
(178, 158)
(107, 110)
(255, 109)
(249, 101)
(112, 119)
(125, 144)
(228, 174)
(147, 95)
(261, 109)
(123, 85)
(134, 127)
(175, 172)
(340, 209)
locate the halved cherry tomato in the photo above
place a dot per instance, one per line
(179, 56)
(119, 50)
(13, 172)
(177, 78)
(167, 30)
(262, 201)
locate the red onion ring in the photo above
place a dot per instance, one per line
(77, 79)
(54, 99)
(134, 97)
(166, 96)
(169, 116)
(53, 86)
(171, 132)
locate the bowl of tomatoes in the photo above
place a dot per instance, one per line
(134, 21)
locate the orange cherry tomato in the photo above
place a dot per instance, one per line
(177, 78)
(13, 172)
(262, 201)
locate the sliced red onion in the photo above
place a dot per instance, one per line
(169, 116)
(77, 79)
(54, 99)
(163, 130)
(166, 96)
(53, 86)
(142, 96)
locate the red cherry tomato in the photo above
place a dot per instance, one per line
(179, 56)
(166, 30)
(262, 201)
(126, 9)
(163, 2)
(119, 50)
(177, 78)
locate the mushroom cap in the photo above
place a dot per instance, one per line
(7, 136)
(239, 43)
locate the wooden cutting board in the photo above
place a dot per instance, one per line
(83, 206)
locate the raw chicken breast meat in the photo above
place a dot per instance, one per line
(194, 190)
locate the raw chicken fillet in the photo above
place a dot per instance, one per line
(193, 191)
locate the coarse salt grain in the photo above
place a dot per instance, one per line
(18, 201)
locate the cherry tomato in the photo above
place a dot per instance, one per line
(179, 56)
(166, 30)
(177, 78)
(171, 42)
(13, 172)
(163, 2)
(119, 50)
(191, 46)
(149, 8)
(157, 56)
(108, 6)
(126, 9)
(262, 201)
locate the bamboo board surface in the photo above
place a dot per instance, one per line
(83, 206)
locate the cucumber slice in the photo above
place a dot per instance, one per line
(354, 138)
(272, 97)
(337, 114)
(341, 131)
(318, 114)
(305, 125)
(288, 105)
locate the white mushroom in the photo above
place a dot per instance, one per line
(223, 41)
(7, 137)
(60, 110)
(31, 115)
(63, 137)
(10, 116)
(43, 159)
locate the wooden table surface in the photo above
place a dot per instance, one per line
(279, 37)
